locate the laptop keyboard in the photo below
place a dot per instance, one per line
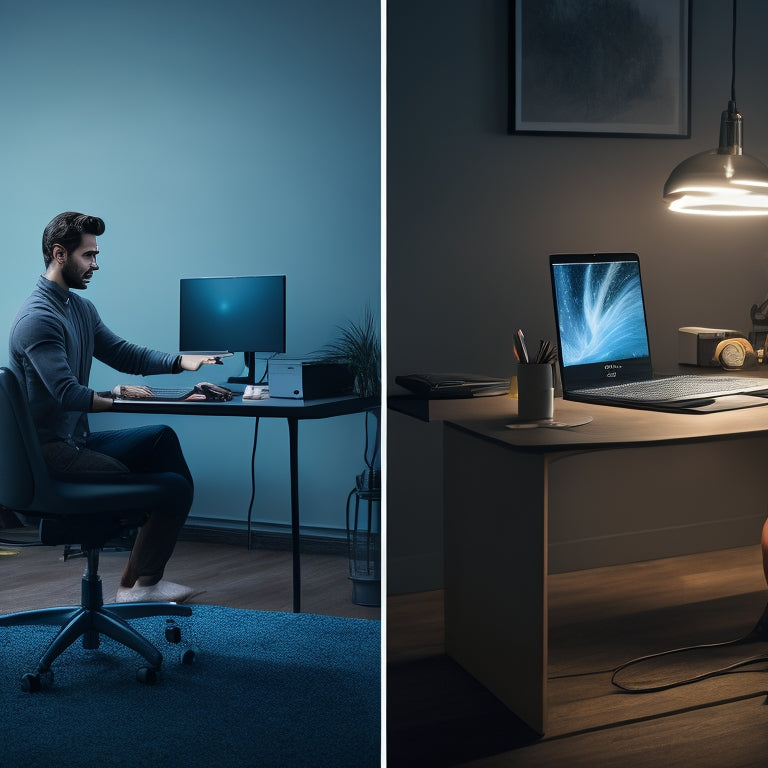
(675, 389)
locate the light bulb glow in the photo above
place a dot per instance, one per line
(717, 201)
(715, 184)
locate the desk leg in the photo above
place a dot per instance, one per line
(293, 436)
(496, 569)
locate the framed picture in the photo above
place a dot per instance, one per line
(614, 68)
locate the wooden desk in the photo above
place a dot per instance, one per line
(496, 508)
(293, 411)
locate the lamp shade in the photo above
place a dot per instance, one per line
(717, 183)
(723, 181)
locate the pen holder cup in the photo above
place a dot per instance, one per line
(535, 391)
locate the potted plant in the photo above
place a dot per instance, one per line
(359, 348)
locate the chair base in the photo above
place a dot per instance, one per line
(91, 619)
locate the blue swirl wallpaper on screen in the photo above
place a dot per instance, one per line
(600, 312)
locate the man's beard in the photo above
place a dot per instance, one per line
(72, 278)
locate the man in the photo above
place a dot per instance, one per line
(54, 338)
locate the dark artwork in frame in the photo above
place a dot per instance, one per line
(600, 67)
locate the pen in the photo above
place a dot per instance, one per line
(547, 353)
(522, 349)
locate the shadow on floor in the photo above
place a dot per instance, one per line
(439, 715)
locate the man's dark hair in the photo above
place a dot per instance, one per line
(67, 229)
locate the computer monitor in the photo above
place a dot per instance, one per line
(233, 314)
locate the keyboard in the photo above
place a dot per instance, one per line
(674, 389)
(169, 393)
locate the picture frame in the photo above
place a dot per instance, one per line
(575, 70)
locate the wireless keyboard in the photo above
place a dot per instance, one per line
(169, 393)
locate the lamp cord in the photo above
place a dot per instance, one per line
(733, 56)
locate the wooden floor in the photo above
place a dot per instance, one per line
(598, 619)
(439, 716)
(232, 576)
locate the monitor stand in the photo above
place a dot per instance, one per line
(250, 361)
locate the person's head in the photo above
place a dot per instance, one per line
(66, 230)
(70, 249)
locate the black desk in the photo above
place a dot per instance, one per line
(293, 411)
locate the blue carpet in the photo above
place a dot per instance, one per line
(266, 689)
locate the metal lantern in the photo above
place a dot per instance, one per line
(364, 538)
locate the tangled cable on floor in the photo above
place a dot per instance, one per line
(757, 634)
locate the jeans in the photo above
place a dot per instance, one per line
(140, 450)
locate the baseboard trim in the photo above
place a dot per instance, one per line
(423, 573)
(637, 546)
(320, 541)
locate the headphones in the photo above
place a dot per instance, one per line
(733, 354)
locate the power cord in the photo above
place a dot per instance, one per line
(687, 681)
(760, 632)
(253, 477)
(264, 377)
(571, 675)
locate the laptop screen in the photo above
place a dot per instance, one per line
(600, 319)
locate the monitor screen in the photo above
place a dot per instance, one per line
(600, 318)
(232, 314)
(600, 312)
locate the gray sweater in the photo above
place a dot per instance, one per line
(53, 340)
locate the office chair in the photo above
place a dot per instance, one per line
(87, 511)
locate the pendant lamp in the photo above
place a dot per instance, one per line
(722, 181)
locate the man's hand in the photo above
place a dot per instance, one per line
(195, 362)
(132, 392)
(102, 401)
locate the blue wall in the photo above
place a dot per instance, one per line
(237, 137)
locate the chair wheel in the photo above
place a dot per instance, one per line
(146, 675)
(187, 656)
(33, 682)
(30, 683)
(172, 631)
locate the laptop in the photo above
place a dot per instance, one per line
(602, 334)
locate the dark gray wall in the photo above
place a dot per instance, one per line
(472, 214)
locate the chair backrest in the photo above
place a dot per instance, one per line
(22, 467)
